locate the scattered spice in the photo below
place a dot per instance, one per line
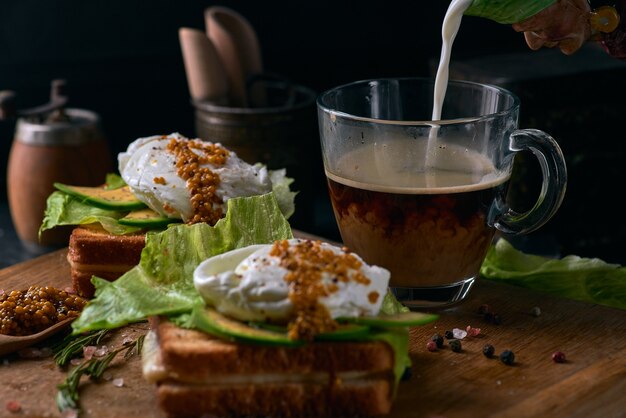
(431, 346)
(472, 332)
(489, 350)
(536, 311)
(13, 407)
(455, 345)
(507, 357)
(483, 309)
(438, 340)
(459, 334)
(558, 357)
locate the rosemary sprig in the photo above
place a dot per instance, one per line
(73, 345)
(68, 396)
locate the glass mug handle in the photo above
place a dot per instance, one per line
(554, 182)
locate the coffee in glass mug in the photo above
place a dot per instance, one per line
(421, 198)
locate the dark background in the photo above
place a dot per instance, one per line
(122, 60)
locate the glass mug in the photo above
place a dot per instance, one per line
(424, 198)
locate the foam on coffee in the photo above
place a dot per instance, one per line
(391, 168)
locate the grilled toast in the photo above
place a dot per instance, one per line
(198, 374)
(92, 251)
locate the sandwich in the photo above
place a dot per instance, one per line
(93, 251)
(197, 373)
(164, 180)
(292, 328)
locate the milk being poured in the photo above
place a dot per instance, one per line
(449, 29)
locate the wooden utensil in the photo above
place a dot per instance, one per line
(238, 46)
(206, 76)
(10, 343)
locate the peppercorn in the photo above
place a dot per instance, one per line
(449, 335)
(438, 339)
(558, 357)
(488, 350)
(455, 345)
(536, 311)
(507, 357)
(431, 346)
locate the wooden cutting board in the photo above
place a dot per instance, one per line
(592, 383)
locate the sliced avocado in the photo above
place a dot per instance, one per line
(345, 332)
(146, 218)
(210, 321)
(402, 319)
(115, 199)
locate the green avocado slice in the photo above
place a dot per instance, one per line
(345, 332)
(147, 218)
(402, 319)
(114, 199)
(209, 320)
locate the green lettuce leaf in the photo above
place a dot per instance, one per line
(162, 283)
(63, 209)
(585, 279)
(391, 305)
(113, 181)
(284, 195)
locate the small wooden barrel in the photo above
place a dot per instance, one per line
(72, 151)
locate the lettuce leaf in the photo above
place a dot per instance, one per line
(586, 279)
(162, 283)
(284, 195)
(113, 181)
(63, 209)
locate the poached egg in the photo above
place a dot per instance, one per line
(253, 283)
(150, 170)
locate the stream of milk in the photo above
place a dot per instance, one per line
(449, 29)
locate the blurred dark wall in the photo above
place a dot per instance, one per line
(122, 59)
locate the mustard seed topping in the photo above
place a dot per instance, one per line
(372, 297)
(306, 262)
(159, 180)
(201, 181)
(33, 310)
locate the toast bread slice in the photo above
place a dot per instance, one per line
(94, 251)
(198, 374)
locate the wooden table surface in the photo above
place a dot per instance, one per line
(592, 383)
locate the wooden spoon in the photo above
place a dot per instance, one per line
(10, 343)
(238, 46)
(206, 76)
